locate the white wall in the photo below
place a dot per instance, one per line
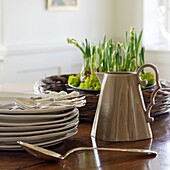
(29, 22)
(127, 14)
(162, 60)
(33, 39)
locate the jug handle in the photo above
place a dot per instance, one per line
(158, 84)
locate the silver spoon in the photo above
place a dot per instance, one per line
(49, 155)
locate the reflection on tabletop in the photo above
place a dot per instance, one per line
(97, 159)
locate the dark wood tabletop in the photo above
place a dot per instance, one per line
(105, 160)
(10, 160)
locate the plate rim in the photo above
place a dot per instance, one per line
(43, 144)
(36, 127)
(38, 132)
(35, 118)
(36, 137)
(19, 124)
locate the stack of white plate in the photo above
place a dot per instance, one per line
(43, 127)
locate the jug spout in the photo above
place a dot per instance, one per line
(100, 76)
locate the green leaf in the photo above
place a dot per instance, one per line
(141, 55)
(138, 42)
(75, 43)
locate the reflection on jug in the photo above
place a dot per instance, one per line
(121, 114)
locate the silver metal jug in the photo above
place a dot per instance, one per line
(121, 114)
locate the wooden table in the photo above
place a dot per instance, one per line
(21, 160)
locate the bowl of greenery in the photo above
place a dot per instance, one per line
(109, 56)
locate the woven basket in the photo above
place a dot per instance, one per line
(59, 83)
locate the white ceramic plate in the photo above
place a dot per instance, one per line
(52, 109)
(34, 118)
(8, 98)
(43, 144)
(31, 124)
(36, 138)
(8, 129)
(38, 132)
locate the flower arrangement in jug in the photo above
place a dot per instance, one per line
(109, 56)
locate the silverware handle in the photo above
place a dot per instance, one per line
(136, 151)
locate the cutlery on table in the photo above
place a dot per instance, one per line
(31, 103)
(49, 155)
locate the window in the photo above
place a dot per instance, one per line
(156, 23)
